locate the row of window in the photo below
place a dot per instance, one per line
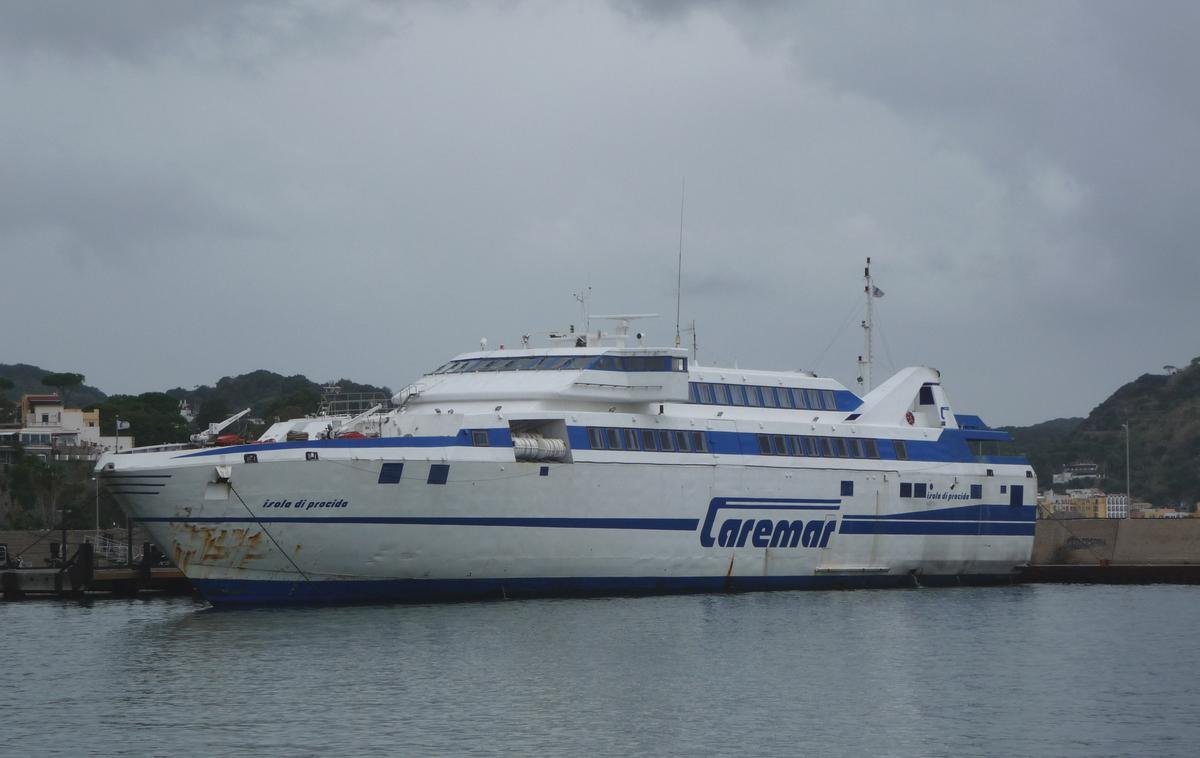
(566, 363)
(817, 447)
(651, 440)
(921, 489)
(753, 396)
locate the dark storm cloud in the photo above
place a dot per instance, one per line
(1089, 108)
(143, 31)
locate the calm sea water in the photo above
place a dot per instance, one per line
(1039, 670)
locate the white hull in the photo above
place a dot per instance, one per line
(291, 530)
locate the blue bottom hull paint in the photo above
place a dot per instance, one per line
(235, 593)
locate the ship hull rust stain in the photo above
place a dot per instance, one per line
(201, 544)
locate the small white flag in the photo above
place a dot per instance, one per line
(122, 425)
(877, 292)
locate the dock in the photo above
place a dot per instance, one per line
(81, 577)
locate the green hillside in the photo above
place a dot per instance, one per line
(1163, 413)
(27, 380)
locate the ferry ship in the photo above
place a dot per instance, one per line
(597, 465)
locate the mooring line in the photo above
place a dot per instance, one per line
(269, 536)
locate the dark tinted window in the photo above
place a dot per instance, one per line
(649, 441)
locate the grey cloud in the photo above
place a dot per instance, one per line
(146, 31)
(418, 178)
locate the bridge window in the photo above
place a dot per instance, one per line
(829, 399)
(705, 391)
(926, 395)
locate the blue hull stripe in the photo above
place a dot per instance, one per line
(989, 528)
(961, 513)
(654, 524)
(233, 593)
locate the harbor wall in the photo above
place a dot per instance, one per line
(1116, 541)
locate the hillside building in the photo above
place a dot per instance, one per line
(51, 431)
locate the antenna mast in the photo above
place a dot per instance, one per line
(679, 265)
(864, 361)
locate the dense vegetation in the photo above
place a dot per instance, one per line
(1163, 413)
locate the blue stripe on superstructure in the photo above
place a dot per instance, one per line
(959, 513)
(808, 501)
(966, 528)
(950, 447)
(547, 522)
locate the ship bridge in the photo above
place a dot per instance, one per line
(578, 376)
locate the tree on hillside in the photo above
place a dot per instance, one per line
(153, 417)
(64, 382)
(213, 411)
(7, 407)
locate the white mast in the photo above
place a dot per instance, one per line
(679, 264)
(864, 361)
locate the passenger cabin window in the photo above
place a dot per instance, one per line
(905, 489)
(976, 491)
(919, 489)
(721, 394)
(479, 438)
(901, 450)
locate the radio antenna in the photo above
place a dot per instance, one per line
(679, 264)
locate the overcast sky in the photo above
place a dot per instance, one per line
(190, 190)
